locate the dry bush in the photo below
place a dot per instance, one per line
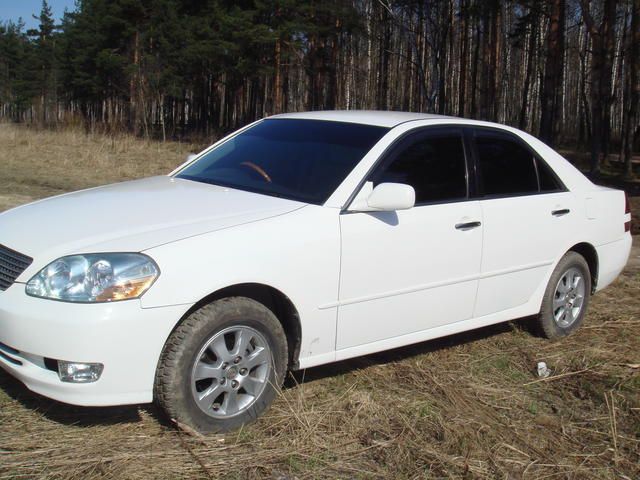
(466, 406)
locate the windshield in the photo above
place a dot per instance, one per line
(304, 160)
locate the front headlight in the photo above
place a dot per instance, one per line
(96, 277)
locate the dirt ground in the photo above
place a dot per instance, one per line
(466, 406)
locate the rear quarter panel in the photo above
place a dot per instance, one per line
(605, 214)
(600, 215)
(604, 210)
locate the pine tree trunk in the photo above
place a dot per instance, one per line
(584, 101)
(551, 87)
(486, 77)
(528, 74)
(134, 84)
(603, 43)
(277, 84)
(385, 45)
(609, 31)
(332, 69)
(442, 62)
(474, 70)
(463, 59)
(631, 120)
(492, 45)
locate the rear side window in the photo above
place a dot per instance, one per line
(506, 166)
(548, 180)
(432, 163)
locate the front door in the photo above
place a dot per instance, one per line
(408, 271)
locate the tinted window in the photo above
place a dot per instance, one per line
(506, 166)
(434, 165)
(548, 180)
(303, 160)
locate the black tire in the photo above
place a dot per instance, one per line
(546, 321)
(173, 382)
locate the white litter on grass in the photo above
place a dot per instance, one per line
(543, 370)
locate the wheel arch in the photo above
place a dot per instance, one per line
(590, 254)
(273, 299)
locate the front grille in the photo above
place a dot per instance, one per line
(12, 264)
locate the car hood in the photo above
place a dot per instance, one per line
(131, 216)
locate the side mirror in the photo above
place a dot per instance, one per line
(190, 157)
(386, 197)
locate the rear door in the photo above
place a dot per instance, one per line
(527, 218)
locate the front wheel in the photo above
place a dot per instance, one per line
(566, 298)
(221, 368)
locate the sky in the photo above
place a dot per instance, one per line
(14, 9)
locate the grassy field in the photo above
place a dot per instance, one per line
(467, 406)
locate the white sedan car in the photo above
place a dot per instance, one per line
(299, 240)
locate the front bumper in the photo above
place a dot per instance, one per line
(125, 337)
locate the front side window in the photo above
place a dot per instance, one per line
(303, 160)
(433, 164)
(506, 166)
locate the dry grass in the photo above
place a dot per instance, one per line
(37, 164)
(467, 406)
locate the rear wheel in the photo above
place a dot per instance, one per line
(222, 367)
(566, 298)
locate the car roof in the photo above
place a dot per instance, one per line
(378, 118)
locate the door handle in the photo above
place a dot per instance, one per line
(467, 226)
(561, 212)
